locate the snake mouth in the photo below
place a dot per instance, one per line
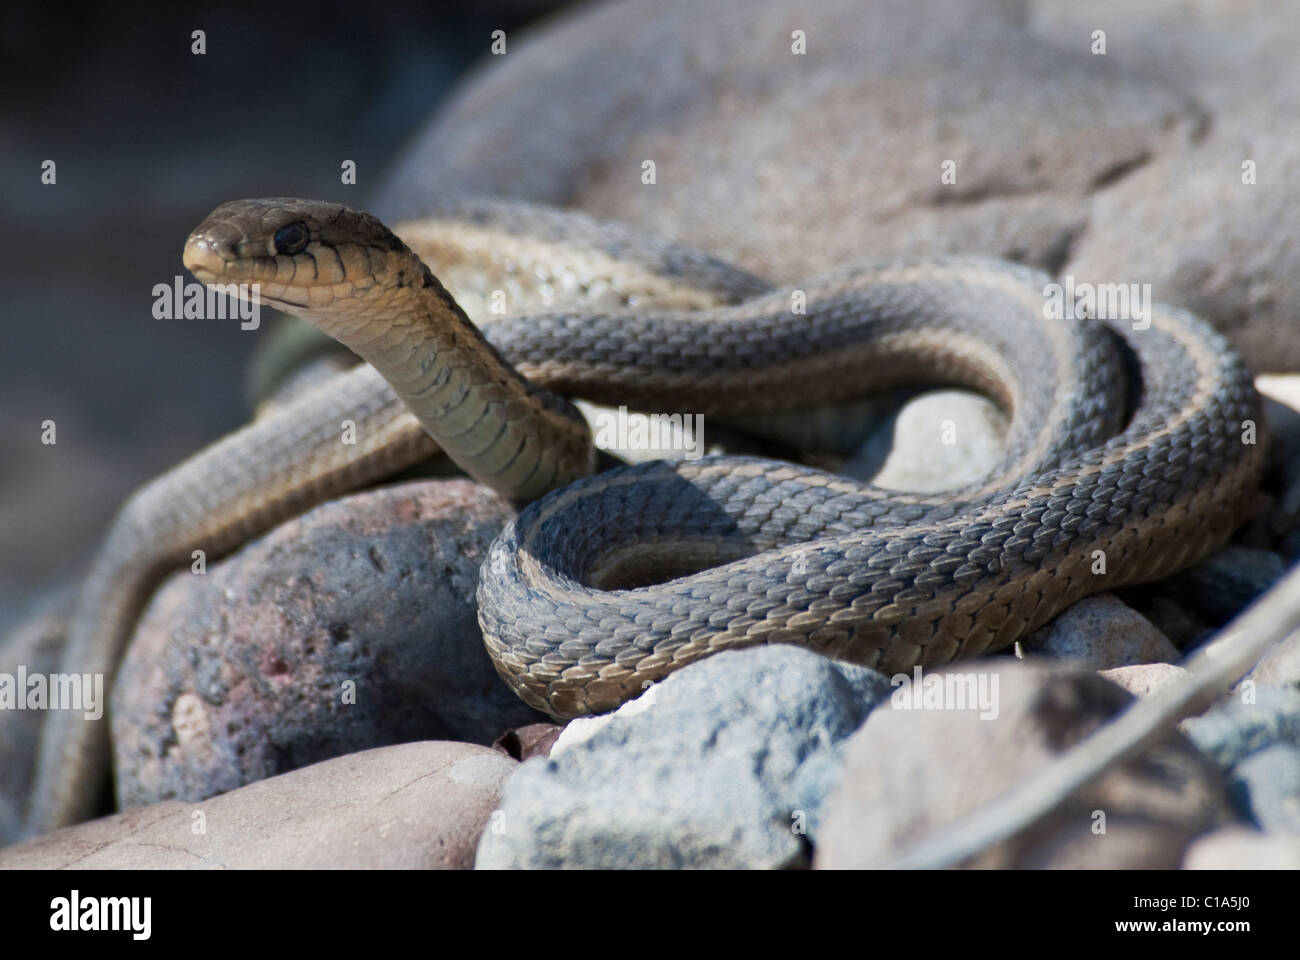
(212, 261)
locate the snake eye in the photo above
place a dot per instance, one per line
(292, 238)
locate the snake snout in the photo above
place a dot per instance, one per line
(206, 256)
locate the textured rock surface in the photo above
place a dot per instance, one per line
(350, 627)
(1120, 167)
(34, 647)
(1184, 221)
(414, 805)
(1254, 737)
(1232, 730)
(1101, 632)
(910, 772)
(719, 765)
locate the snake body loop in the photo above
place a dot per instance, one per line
(1124, 445)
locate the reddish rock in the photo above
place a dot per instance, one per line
(350, 627)
(534, 740)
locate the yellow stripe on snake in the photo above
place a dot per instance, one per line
(1121, 440)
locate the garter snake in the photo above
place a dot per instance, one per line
(1125, 451)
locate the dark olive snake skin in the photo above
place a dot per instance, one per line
(885, 579)
(1128, 442)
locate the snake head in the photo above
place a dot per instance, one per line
(305, 256)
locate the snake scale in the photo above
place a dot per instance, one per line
(1123, 441)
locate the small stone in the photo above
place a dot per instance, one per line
(1221, 586)
(911, 772)
(1266, 787)
(940, 440)
(350, 627)
(1241, 848)
(1144, 679)
(410, 806)
(534, 740)
(726, 766)
(1101, 632)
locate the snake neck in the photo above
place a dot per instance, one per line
(506, 433)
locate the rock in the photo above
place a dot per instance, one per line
(32, 647)
(723, 767)
(411, 806)
(911, 772)
(731, 124)
(941, 440)
(1220, 253)
(350, 627)
(534, 740)
(1100, 632)
(1221, 586)
(581, 729)
(791, 165)
(1144, 679)
(1246, 723)
(1240, 848)
(1223, 259)
(1266, 787)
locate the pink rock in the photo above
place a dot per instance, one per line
(350, 627)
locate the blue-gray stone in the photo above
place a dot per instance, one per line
(1266, 787)
(1232, 730)
(728, 767)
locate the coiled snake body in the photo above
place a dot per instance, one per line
(1125, 446)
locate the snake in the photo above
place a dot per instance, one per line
(1129, 453)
